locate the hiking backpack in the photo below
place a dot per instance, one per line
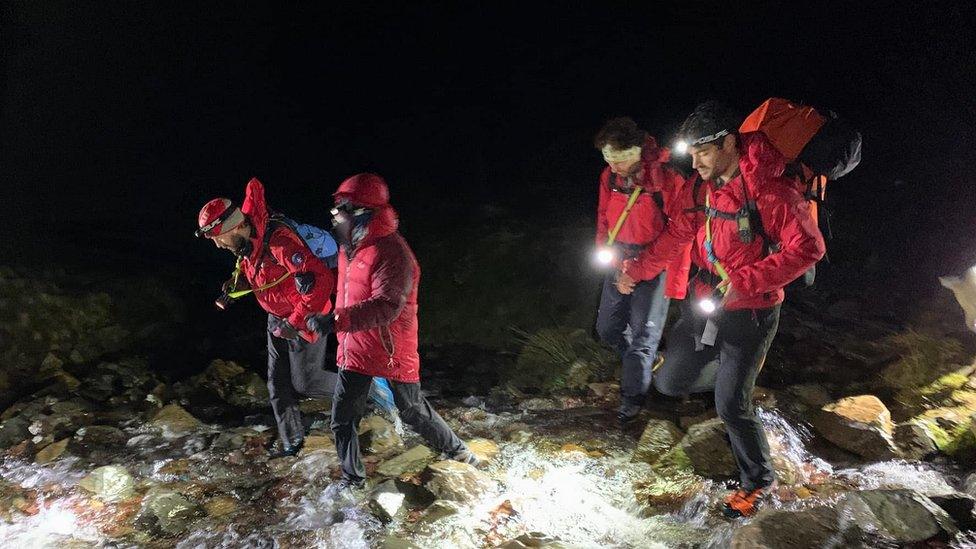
(319, 241)
(819, 146)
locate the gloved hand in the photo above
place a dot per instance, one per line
(229, 286)
(285, 331)
(321, 324)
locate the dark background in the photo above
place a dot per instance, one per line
(119, 120)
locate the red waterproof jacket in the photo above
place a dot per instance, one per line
(758, 277)
(376, 304)
(646, 222)
(310, 285)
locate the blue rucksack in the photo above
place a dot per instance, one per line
(319, 241)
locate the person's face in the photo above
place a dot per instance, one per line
(234, 240)
(624, 169)
(711, 160)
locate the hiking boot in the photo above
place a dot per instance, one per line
(742, 503)
(464, 455)
(285, 450)
(628, 413)
(349, 485)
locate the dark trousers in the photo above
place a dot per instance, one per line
(729, 367)
(632, 326)
(349, 406)
(296, 369)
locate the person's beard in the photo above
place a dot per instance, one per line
(241, 246)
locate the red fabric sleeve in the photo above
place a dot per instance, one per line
(295, 256)
(602, 226)
(786, 219)
(391, 282)
(678, 234)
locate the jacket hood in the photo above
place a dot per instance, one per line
(651, 153)
(370, 191)
(759, 160)
(256, 209)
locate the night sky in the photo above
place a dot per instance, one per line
(120, 120)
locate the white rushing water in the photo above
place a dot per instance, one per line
(580, 499)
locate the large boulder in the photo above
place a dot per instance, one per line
(657, 439)
(377, 435)
(859, 424)
(858, 519)
(51, 452)
(173, 420)
(914, 440)
(961, 507)
(386, 501)
(707, 449)
(14, 430)
(456, 481)
(901, 516)
(110, 483)
(167, 512)
(485, 449)
(413, 460)
(809, 528)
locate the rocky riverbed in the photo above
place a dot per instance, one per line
(100, 449)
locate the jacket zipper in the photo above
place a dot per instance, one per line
(345, 301)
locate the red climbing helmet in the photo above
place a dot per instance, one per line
(217, 217)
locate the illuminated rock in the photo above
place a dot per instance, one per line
(110, 483)
(859, 424)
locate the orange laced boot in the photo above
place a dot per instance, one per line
(741, 503)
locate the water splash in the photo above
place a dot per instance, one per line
(921, 477)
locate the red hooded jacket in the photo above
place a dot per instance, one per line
(757, 277)
(645, 222)
(376, 304)
(292, 299)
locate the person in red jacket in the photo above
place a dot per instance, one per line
(291, 284)
(636, 187)
(752, 234)
(375, 320)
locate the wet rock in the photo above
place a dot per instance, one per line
(386, 501)
(377, 435)
(220, 506)
(950, 427)
(485, 449)
(659, 494)
(901, 516)
(811, 394)
(658, 438)
(222, 370)
(870, 518)
(685, 422)
(438, 510)
(456, 481)
(175, 421)
(318, 443)
(315, 406)
(52, 451)
(110, 483)
(392, 542)
(961, 507)
(601, 390)
(707, 450)
(809, 528)
(539, 404)
(914, 440)
(232, 439)
(969, 485)
(99, 436)
(413, 460)
(533, 539)
(14, 430)
(859, 424)
(167, 512)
